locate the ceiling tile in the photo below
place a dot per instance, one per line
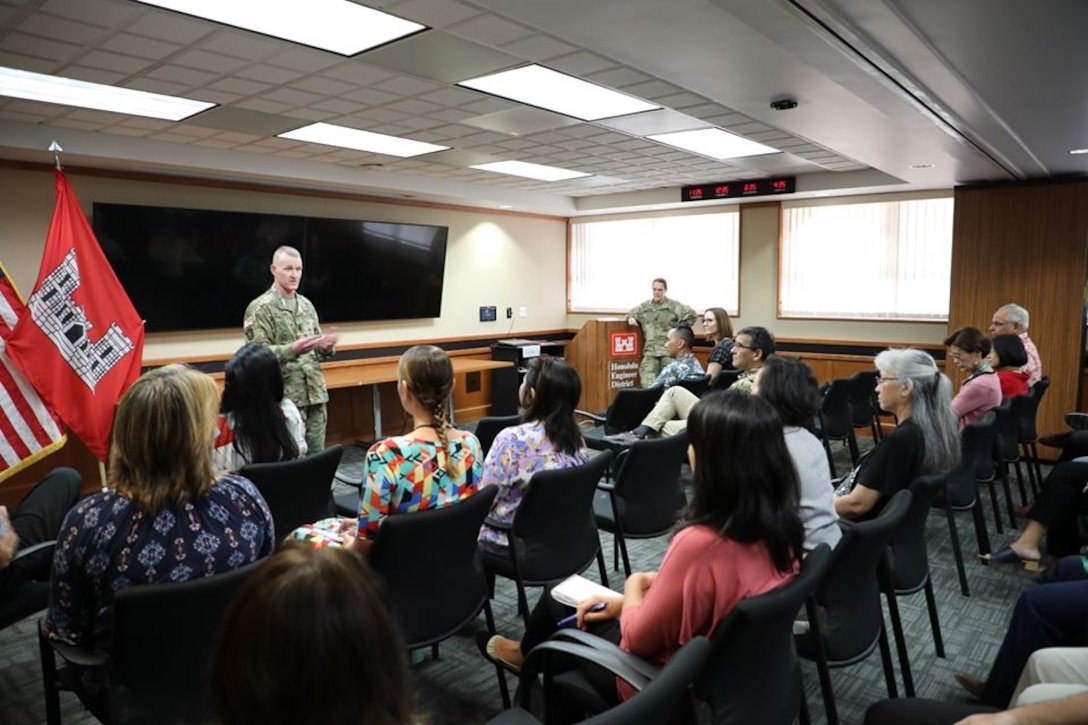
(204, 60)
(538, 47)
(165, 25)
(490, 29)
(433, 14)
(79, 33)
(94, 75)
(184, 76)
(106, 15)
(305, 60)
(441, 57)
(268, 74)
(238, 86)
(246, 46)
(135, 45)
(114, 62)
(581, 63)
(39, 47)
(404, 86)
(293, 96)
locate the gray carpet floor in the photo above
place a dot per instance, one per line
(460, 687)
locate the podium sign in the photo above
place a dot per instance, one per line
(623, 368)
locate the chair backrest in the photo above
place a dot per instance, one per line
(725, 379)
(1008, 430)
(907, 551)
(977, 441)
(25, 597)
(160, 643)
(848, 597)
(554, 532)
(659, 698)
(752, 676)
(863, 406)
(835, 410)
(489, 427)
(297, 492)
(648, 490)
(431, 567)
(629, 408)
(1028, 433)
(695, 386)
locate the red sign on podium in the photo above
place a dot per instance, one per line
(624, 344)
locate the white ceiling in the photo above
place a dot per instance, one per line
(975, 90)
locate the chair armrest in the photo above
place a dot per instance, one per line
(500, 525)
(606, 486)
(77, 655)
(845, 524)
(621, 667)
(599, 418)
(600, 644)
(41, 546)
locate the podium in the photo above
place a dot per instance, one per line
(606, 353)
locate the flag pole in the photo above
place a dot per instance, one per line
(102, 476)
(56, 149)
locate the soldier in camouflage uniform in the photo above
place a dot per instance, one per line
(287, 322)
(656, 317)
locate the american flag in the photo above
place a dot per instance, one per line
(28, 430)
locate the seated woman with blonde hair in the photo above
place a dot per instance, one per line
(166, 517)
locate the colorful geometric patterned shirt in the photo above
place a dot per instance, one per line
(406, 474)
(517, 453)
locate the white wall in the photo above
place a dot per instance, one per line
(492, 259)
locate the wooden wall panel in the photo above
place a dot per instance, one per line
(1028, 244)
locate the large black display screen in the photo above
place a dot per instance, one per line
(192, 269)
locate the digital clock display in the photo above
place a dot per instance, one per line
(734, 189)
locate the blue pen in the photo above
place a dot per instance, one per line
(574, 617)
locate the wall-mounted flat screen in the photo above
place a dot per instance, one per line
(194, 269)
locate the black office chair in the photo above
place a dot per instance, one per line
(1009, 439)
(656, 699)
(835, 421)
(298, 492)
(646, 498)
(907, 568)
(28, 597)
(1029, 435)
(846, 620)
(161, 637)
(725, 379)
(431, 567)
(864, 411)
(489, 427)
(628, 409)
(695, 386)
(554, 532)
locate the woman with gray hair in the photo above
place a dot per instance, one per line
(926, 440)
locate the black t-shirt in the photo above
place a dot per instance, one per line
(893, 464)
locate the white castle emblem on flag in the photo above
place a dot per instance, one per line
(65, 323)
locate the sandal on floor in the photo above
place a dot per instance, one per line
(485, 641)
(972, 684)
(1006, 555)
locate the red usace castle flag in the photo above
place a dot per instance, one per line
(28, 430)
(79, 340)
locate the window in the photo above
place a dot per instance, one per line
(612, 262)
(876, 260)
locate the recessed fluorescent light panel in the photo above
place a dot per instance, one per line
(545, 88)
(338, 26)
(353, 138)
(531, 171)
(713, 142)
(68, 92)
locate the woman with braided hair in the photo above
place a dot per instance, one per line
(430, 466)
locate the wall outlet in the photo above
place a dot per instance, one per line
(509, 312)
(523, 311)
(488, 313)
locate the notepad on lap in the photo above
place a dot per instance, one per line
(577, 588)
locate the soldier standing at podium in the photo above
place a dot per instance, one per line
(656, 317)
